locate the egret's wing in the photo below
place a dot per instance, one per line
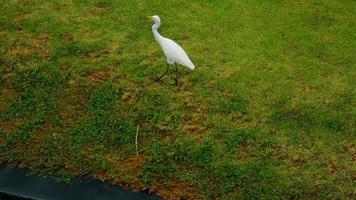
(176, 53)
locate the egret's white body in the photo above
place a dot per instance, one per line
(174, 53)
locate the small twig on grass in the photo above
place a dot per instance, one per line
(138, 126)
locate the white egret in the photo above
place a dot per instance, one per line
(173, 52)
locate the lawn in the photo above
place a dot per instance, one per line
(269, 112)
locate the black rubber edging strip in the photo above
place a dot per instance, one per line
(4, 196)
(20, 184)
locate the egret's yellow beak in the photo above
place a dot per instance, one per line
(149, 17)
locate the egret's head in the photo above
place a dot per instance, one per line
(155, 19)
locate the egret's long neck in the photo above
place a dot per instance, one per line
(156, 34)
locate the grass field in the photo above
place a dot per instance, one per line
(269, 112)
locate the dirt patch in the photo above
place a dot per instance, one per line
(67, 37)
(5, 95)
(42, 41)
(35, 45)
(305, 89)
(327, 74)
(8, 73)
(8, 126)
(350, 150)
(196, 129)
(92, 55)
(125, 170)
(98, 76)
(72, 102)
(177, 190)
(129, 169)
(327, 38)
(183, 37)
(242, 122)
(68, 113)
(127, 174)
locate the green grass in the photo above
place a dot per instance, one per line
(269, 112)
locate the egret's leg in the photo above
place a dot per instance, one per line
(160, 77)
(176, 74)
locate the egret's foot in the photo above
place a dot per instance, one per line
(160, 77)
(176, 80)
(177, 87)
(157, 79)
(176, 83)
